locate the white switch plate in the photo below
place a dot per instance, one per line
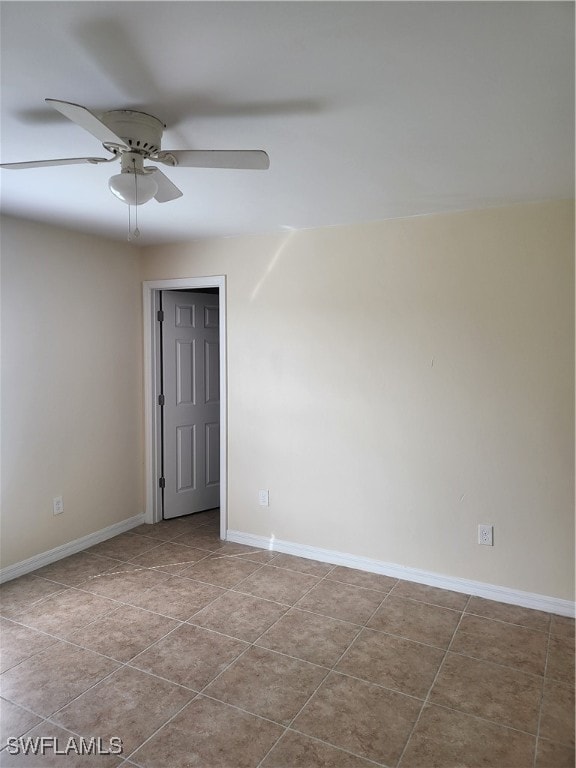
(264, 497)
(57, 505)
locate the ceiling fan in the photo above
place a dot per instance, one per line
(135, 138)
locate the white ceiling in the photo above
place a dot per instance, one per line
(368, 110)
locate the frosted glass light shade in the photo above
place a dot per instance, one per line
(133, 188)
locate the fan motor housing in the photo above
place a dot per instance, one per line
(141, 132)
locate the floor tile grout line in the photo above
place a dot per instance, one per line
(181, 624)
(171, 540)
(73, 699)
(50, 718)
(409, 639)
(295, 570)
(290, 607)
(252, 645)
(155, 731)
(295, 606)
(78, 588)
(235, 637)
(328, 672)
(542, 694)
(483, 719)
(357, 586)
(133, 570)
(60, 639)
(211, 697)
(227, 667)
(204, 695)
(325, 578)
(427, 697)
(285, 729)
(321, 666)
(146, 551)
(343, 749)
(265, 565)
(40, 600)
(118, 563)
(155, 568)
(511, 623)
(321, 615)
(470, 714)
(208, 604)
(42, 718)
(58, 563)
(243, 578)
(32, 655)
(160, 677)
(405, 637)
(120, 664)
(119, 604)
(496, 664)
(201, 694)
(425, 602)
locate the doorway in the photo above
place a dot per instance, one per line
(189, 404)
(153, 389)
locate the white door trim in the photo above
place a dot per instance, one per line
(150, 288)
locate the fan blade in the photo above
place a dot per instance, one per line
(87, 120)
(60, 161)
(166, 189)
(249, 159)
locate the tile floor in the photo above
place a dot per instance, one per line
(197, 652)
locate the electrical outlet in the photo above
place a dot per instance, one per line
(264, 498)
(486, 535)
(57, 505)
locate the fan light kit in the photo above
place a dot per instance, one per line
(135, 138)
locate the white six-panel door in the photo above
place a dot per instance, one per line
(191, 410)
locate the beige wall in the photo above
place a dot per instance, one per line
(395, 384)
(71, 386)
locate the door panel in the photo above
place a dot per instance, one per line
(191, 378)
(185, 373)
(185, 458)
(212, 452)
(211, 372)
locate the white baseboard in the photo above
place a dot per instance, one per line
(478, 588)
(45, 558)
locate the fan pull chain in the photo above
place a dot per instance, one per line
(136, 232)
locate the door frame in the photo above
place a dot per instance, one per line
(152, 437)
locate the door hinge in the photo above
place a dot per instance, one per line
(162, 482)
(161, 400)
(160, 316)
